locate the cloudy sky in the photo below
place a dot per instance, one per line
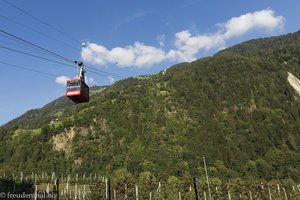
(119, 38)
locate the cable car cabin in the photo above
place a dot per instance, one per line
(77, 90)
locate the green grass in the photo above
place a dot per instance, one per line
(33, 132)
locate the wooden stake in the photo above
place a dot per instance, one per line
(83, 192)
(106, 188)
(179, 195)
(57, 188)
(67, 187)
(195, 187)
(125, 191)
(270, 196)
(229, 197)
(285, 195)
(207, 180)
(48, 188)
(35, 192)
(75, 191)
(109, 193)
(21, 179)
(52, 178)
(250, 195)
(136, 192)
(204, 193)
(62, 177)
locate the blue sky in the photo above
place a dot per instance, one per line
(121, 37)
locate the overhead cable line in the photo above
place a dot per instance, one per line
(36, 46)
(40, 33)
(93, 70)
(32, 55)
(108, 73)
(56, 29)
(32, 45)
(28, 69)
(103, 73)
(41, 21)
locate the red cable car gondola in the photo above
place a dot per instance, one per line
(77, 89)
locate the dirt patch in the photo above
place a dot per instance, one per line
(294, 81)
(61, 142)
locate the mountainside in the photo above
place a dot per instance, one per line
(236, 108)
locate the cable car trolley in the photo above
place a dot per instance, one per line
(77, 90)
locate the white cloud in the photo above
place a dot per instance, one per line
(137, 55)
(62, 80)
(186, 46)
(264, 19)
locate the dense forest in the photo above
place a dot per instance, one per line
(236, 109)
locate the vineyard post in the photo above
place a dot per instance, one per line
(125, 191)
(285, 195)
(270, 196)
(75, 191)
(207, 180)
(68, 179)
(62, 177)
(83, 192)
(47, 188)
(21, 179)
(250, 194)
(109, 193)
(229, 196)
(195, 187)
(52, 178)
(35, 192)
(136, 192)
(294, 188)
(106, 189)
(57, 189)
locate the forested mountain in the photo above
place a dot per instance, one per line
(236, 108)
